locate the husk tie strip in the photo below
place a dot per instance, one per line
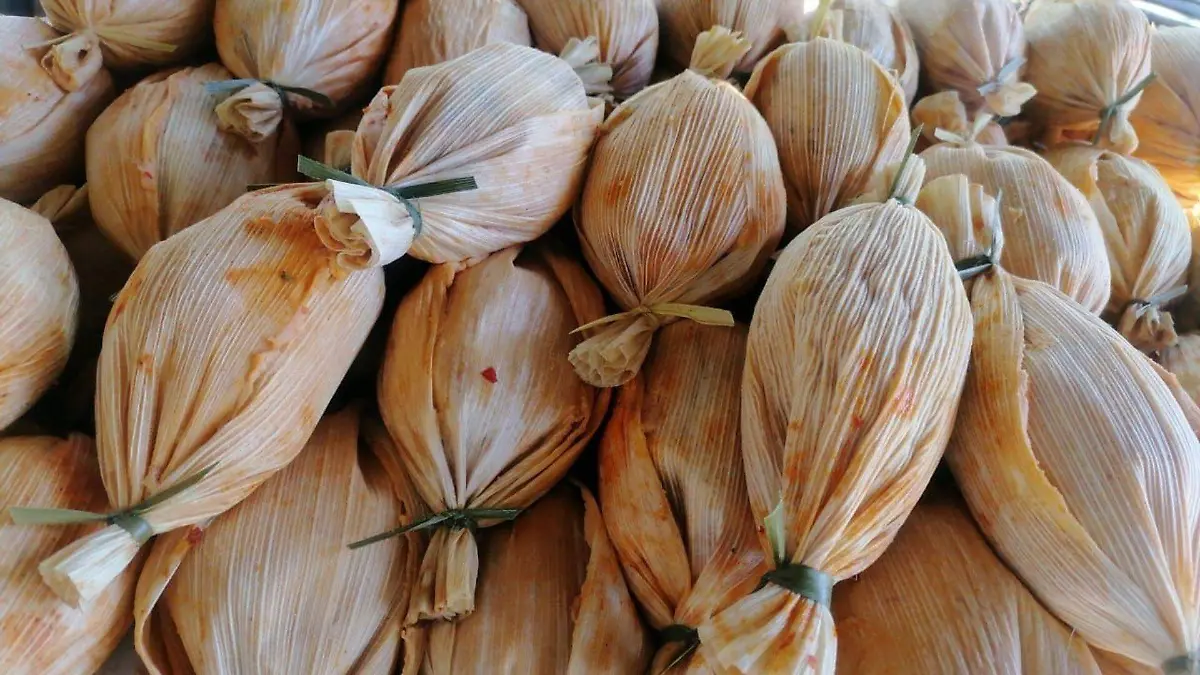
(1187, 664)
(319, 100)
(1107, 113)
(802, 580)
(708, 316)
(686, 635)
(452, 519)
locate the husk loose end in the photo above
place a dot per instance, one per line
(72, 60)
(445, 587)
(61, 203)
(1147, 325)
(718, 51)
(1115, 128)
(584, 58)
(1004, 95)
(254, 113)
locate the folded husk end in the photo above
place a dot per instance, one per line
(83, 569)
(73, 60)
(614, 355)
(445, 587)
(717, 51)
(1149, 328)
(254, 113)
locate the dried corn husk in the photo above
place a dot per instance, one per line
(945, 111)
(854, 365)
(673, 491)
(940, 601)
(1149, 242)
(433, 31)
(1183, 361)
(1167, 119)
(214, 371)
(552, 601)
(838, 118)
(968, 217)
(159, 160)
(305, 603)
(683, 203)
(1089, 60)
(38, 635)
(526, 150)
(761, 22)
(42, 125)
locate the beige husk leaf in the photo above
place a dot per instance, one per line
(477, 393)
(854, 365)
(943, 114)
(838, 118)
(273, 581)
(672, 487)
(1183, 361)
(38, 635)
(683, 203)
(1087, 58)
(43, 124)
(940, 601)
(526, 149)
(1167, 119)
(552, 601)
(159, 160)
(433, 31)
(760, 22)
(1146, 230)
(219, 355)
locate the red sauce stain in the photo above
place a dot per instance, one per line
(856, 422)
(145, 363)
(194, 535)
(489, 374)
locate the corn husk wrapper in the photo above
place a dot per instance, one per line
(551, 600)
(160, 160)
(838, 118)
(1183, 361)
(944, 112)
(761, 22)
(672, 487)
(433, 31)
(854, 365)
(1087, 59)
(684, 202)
(216, 366)
(42, 124)
(527, 150)
(1167, 119)
(940, 601)
(38, 635)
(306, 603)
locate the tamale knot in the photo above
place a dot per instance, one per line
(802, 580)
(1186, 664)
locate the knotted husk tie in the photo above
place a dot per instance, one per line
(254, 109)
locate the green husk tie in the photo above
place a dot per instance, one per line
(686, 635)
(452, 519)
(908, 153)
(320, 101)
(1107, 113)
(1187, 664)
(969, 268)
(803, 581)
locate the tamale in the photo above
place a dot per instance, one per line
(38, 635)
(433, 31)
(940, 601)
(684, 202)
(124, 33)
(760, 22)
(854, 365)
(673, 491)
(1183, 361)
(551, 601)
(944, 112)
(1167, 119)
(43, 124)
(271, 586)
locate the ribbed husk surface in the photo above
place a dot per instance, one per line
(551, 601)
(1146, 230)
(1084, 56)
(433, 31)
(271, 586)
(838, 118)
(220, 361)
(1167, 119)
(158, 159)
(762, 22)
(944, 112)
(42, 125)
(480, 399)
(128, 33)
(1183, 361)
(854, 365)
(672, 487)
(38, 634)
(940, 601)
(1080, 461)
(526, 149)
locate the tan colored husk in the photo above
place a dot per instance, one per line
(159, 160)
(1084, 56)
(684, 202)
(305, 603)
(945, 111)
(38, 635)
(220, 361)
(672, 488)
(838, 118)
(1182, 359)
(480, 399)
(760, 22)
(968, 217)
(527, 150)
(43, 126)
(1149, 241)
(1079, 458)
(970, 46)
(940, 601)
(551, 601)
(433, 31)
(854, 365)
(1167, 119)
(125, 33)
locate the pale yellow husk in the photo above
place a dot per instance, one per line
(159, 159)
(527, 150)
(940, 601)
(854, 365)
(1167, 119)
(1183, 361)
(1080, 461)
(1146, 230)
(220, 353)
(838, 118)
(968, 217)
(272, 584)
(42, 124)
(38, 634)
(551, 601)
(761, 22)
(126, 33)
(433, 31)
(672, 487)
(1084, 56)
(943, 116)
